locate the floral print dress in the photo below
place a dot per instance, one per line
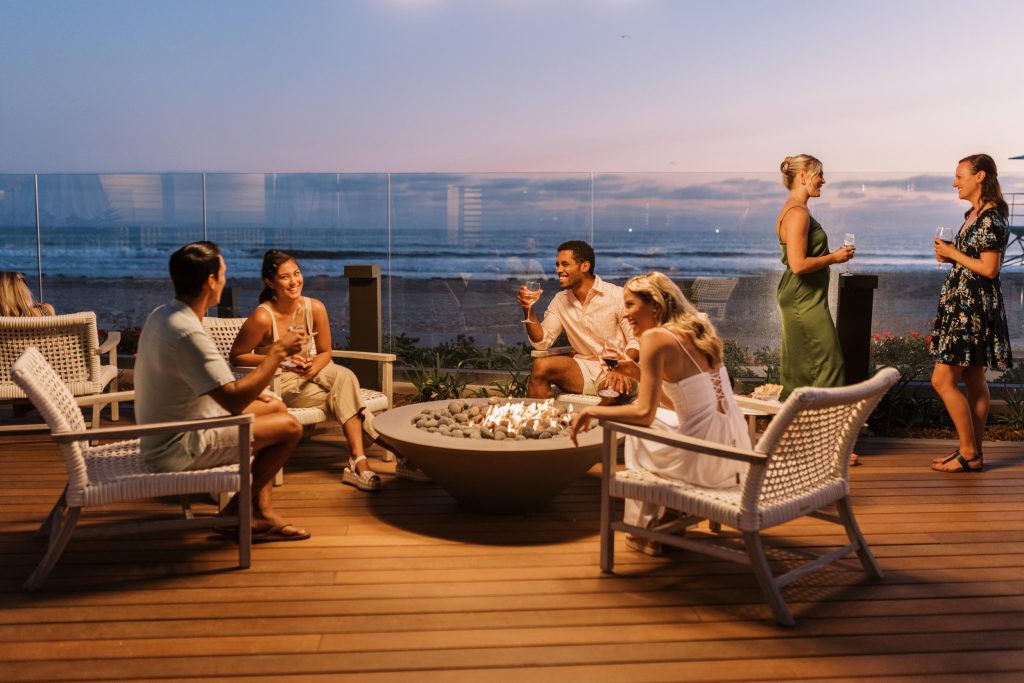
(970, 326)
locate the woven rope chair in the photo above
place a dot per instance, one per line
(223, 332)
(115, 472)
(70, 344)
(799, 466)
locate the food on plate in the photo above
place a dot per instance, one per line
(768, 391)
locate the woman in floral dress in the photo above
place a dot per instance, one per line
(970, 331)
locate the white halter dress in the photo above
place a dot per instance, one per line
(706, 409)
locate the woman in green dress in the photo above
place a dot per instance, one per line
(810, 347)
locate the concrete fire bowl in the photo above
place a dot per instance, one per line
(491, 476)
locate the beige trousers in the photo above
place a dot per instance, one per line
(334, 388)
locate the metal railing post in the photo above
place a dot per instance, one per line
(39, 240)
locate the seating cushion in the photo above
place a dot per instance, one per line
(374, 401)
(117, 472)
(719, 505)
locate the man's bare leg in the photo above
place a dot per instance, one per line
(275, 435)
(562, 371)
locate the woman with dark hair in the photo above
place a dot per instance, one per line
(309, 379)
(970, 332)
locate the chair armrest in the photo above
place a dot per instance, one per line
(103, 399)
(364, 355)
(553, 351)
(687, 442)
(387, 362)
(110, 343)
(133, 431)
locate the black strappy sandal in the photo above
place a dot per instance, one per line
(949, 458)
(964, 464)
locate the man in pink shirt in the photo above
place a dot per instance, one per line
(591, 313)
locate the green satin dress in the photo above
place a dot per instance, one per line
(811, 355)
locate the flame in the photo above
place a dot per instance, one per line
(514, 417)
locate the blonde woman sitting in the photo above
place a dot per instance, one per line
(309, 379)
(680, 369)
(16, 298)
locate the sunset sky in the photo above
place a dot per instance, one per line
(511, 86)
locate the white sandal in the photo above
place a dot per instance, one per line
(367, 480)
(405, 470)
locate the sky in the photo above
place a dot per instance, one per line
(515, 86)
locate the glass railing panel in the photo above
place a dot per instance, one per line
(106, 239)
(462, 243)
(18, 249)
(325, 220)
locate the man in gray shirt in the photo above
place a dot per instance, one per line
(179, 375)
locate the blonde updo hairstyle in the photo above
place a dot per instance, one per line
(673, 311)
(791, 167)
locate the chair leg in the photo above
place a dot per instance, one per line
(186, 506)
(115, 408)
(46, 528)
(607, 535)
(759, 563)
(65, 526)
(867, 558)
(96, 416)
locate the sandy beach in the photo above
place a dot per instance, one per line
(436, 310)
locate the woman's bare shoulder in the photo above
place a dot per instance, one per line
(260, 316)
(318, 306)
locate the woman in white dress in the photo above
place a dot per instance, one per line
(684, 388)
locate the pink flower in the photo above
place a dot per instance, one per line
(915, 335)
(876, 337)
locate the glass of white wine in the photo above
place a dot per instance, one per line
(946, 235)
(297, 325)
(849, 241)
(533, 292)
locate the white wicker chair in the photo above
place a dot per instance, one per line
(70, 344)
(799, 466)
(712, 294)
(224, 330)
(115, 472)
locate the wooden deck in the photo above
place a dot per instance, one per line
(406, 586)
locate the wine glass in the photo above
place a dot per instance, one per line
(610, 355)
(298, 326)
(533, 292)
(849, 242)
(946, 235)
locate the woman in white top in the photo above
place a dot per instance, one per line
(680, 369)
(308, 379)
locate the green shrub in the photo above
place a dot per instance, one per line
(432, 384)
(902, 407)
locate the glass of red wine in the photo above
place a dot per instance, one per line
(610, 358)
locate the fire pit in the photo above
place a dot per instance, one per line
(504, 475)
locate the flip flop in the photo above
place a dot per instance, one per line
(949, 458)
(277, 533)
